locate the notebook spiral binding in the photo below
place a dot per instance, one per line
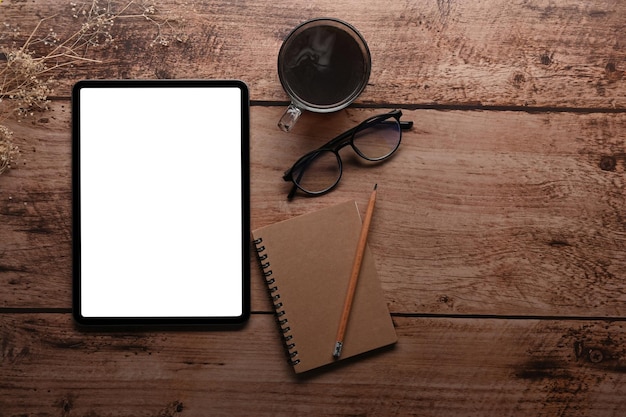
(281, 318)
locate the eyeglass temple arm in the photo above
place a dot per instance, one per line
(292, 192)
(287, 176)
(404, 125)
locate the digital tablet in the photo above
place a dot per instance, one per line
(161, 202)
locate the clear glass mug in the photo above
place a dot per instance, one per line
(323, 66)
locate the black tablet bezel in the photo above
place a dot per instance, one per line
(160, 321)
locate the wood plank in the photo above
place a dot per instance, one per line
(484, 218)
(561, 53)
(35, 213)
(479, 212)
(506, 213)
(439, 367)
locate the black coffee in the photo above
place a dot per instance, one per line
(323, 66)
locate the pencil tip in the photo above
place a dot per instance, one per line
(337, 351)
(375, 186)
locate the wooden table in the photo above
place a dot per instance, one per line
(499, 235)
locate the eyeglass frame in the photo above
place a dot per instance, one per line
(339, 142)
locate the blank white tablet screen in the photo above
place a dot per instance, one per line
(161, 202)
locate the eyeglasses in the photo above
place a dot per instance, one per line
(374, 139)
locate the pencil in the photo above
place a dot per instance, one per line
(356, 269)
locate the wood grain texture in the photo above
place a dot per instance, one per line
(35, 213)
(441, 367)
(534, 53)
(479, 212)
(499, 233)
(507, 213)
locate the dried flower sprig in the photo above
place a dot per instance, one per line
(7, 149)
(25, 80)
(25, 77)
(22, 83)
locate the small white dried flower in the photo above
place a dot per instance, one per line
(7, 149)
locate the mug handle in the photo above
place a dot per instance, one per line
(290, 117)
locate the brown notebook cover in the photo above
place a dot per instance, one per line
(307, 262)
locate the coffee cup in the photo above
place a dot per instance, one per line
(323, 66)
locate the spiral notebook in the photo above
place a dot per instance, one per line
(307, 262)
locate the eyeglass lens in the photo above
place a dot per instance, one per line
(320, 170)
(378, 141)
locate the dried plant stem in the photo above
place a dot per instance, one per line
(7, 149)
(26, 80)
(34, 31)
